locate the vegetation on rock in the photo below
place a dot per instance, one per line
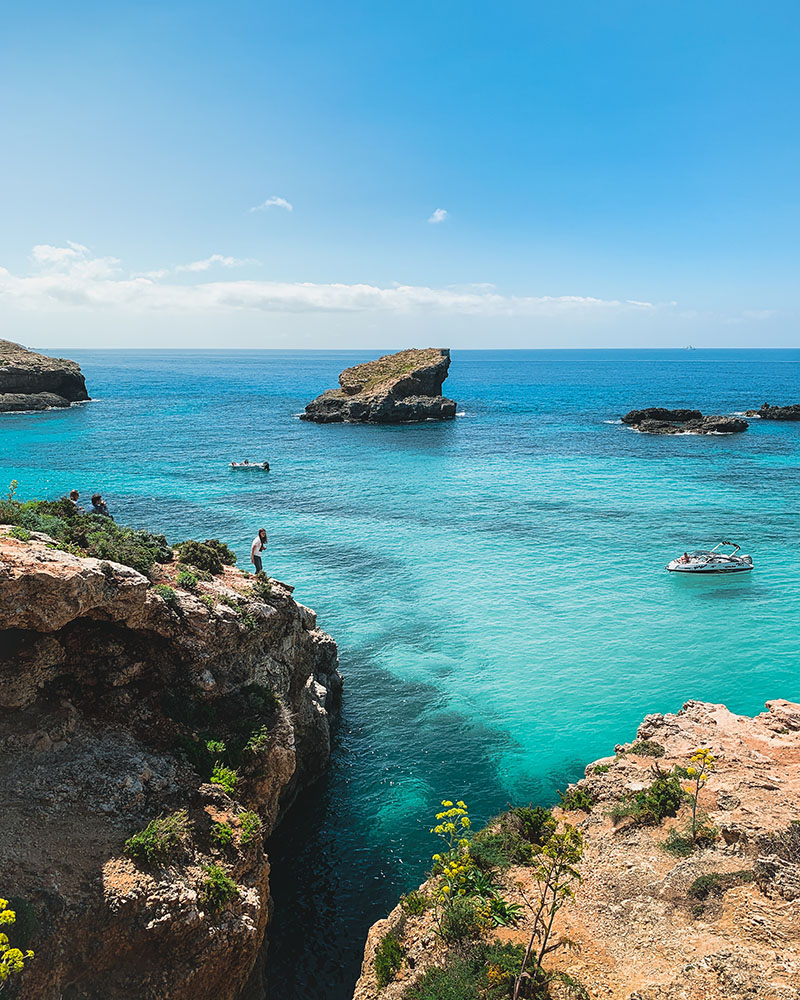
(12, 959)
(217, 888)
(160, 838)
(388, 959)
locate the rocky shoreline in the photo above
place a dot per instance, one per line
(31, 381)
(656, 914)
(397, 388)
(129, 701)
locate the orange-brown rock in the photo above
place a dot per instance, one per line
(108, 694)
(641, 925)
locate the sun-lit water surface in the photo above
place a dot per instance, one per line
(495, 584)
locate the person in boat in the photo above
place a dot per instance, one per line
(246, 461)
(257, 547)
(74, 496)
(685, 558)
(265, 466)
(99, 506)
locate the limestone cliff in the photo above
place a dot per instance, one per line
(115, 699)
(397, 388)
(31, 381)
(656, 917)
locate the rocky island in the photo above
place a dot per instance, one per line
(398, 388)
(31, 381)
(657, 420)
(684, 850)
(767, 412)
(156, 720)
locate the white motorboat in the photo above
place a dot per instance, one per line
(712, 561)
(250, 465)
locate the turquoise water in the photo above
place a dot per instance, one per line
(495, 584)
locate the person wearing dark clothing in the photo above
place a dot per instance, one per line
(74, 496)
(99, 506)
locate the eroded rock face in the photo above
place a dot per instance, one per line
(767, 412)
(108, 694)
(397, 388)
(31, 381)
(640, 926)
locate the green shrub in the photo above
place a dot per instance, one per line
(601, 769)
(209, 601)
(217, 888)
(414, 903)
(167, 594)
(647, 748)
(251, 827)
(718, 883)
(199, 573)
(87, 534)
(258, 740)
(488, 972)
(261, 587)
(677, 845)
(388, 959)
(160, 838)
(653, 804)
(215, 747)
(534, 823)
(201, 555)
(221, 835)
(500, 849)
(226, 556)
(461, 921)
(20, 533)
(187, 580)
(576, 799)
(225, 777)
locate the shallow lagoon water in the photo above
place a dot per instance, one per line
(495, 583)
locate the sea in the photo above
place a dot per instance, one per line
(495, 583)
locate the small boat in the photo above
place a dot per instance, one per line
(250, 465)
(712, 561)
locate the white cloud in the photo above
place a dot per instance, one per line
(209, 262)
(439, 215)
(70, 276)
(274, 202)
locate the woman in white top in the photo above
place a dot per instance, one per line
(258, 546)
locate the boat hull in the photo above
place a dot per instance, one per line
(708, 569)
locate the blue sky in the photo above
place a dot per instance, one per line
(605, 174)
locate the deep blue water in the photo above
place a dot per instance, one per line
(495, 584)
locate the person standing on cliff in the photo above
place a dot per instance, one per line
(258, 546)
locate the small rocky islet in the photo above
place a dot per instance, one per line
(32, 381)
(400, 388)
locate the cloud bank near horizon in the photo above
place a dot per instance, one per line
(72, 277)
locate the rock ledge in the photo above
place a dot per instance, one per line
(31, 381)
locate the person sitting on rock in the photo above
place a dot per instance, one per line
(74, 496)
(99, 506)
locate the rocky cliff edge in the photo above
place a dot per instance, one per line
(121, 703)
(655, 918)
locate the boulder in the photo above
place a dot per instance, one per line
(31, 381)
(397, 388)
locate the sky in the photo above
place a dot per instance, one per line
(381, 174)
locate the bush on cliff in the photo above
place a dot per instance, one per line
(210, 555)
(217, 888)
(487, 971)
(87, 534)
(652, 804)
(160, 838)
(388, 959)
